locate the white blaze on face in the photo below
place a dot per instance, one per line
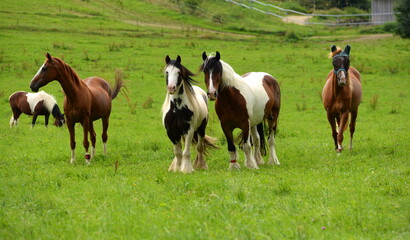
(38, 72)
(172, 74)
(211, 88)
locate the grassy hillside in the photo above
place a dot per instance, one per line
(314, 194)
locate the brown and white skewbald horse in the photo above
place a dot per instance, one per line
(35, 104)
(244, 102)
(85, 100)
(341, 95)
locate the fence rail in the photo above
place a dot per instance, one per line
(374, 18)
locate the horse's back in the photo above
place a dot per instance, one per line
(264, 90)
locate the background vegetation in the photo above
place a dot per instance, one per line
(314, 194)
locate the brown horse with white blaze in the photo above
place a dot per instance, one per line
(85, 100)
(341, 95)
(244, 102)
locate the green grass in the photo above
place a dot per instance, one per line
(314, 194)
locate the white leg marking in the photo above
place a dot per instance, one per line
(88, 161)
(256, 145)
(72, 156)
(234, 161)
(200, 158)
(273, 159)
(92, 152)
(105, 148)
(249, 159)
(176, 163)
(186, 166)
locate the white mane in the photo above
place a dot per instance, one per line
(34, 98)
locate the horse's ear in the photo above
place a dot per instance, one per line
(49, 56)
(218, 56)
(178, 59)
(347, 50)
(167, 59)
(333, 48)
(204, 57)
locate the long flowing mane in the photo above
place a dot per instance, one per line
(69, 71)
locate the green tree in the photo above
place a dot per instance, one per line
(403, 18)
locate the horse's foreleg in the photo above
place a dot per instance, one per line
(256, 146)
(352, 127)
(46, 117)
(93, 139)
(176, 163)
(105, 122)
(247, 148)
(70, 126)
(33, 121)
(343, 121)
(231, 148)
(86, 144)
(186, 166)
(331, 120)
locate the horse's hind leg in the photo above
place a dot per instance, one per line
(200, 157)
(105, 122)
(352, 127)
(93, 139)
(14, 117)
(273, 158)
(256, 146)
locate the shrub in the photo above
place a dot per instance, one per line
(403, 18)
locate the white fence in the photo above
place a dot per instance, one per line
(373, 18)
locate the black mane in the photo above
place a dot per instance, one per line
(186, 75)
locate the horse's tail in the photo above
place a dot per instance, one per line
(118, 84)
(260, 128)
(209, 142)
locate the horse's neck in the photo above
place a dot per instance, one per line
(56, 111)
(71, 83)
(229, 77)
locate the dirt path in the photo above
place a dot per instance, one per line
(300, 20)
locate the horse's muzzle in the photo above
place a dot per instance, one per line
(212, 96)
(34, 89)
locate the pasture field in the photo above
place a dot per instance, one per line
(314, 193)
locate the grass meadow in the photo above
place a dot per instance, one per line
(314, 193)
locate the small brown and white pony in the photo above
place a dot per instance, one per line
(85, 100)
(244, 102)
(341, 95)
(35, 104)
(185, 116)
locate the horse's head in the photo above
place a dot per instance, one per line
(59, 122)
(173, 74)
(341, 64)
(212, 69)
(46, 73)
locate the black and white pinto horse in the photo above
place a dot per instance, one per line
(185, 116)
(35, 104)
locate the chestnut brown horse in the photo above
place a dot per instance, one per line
(341, 95)
(85, 100)
(35, 104)
(244, 102)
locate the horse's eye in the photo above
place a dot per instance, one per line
(43, 69)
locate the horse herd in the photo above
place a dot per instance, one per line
(250, 102)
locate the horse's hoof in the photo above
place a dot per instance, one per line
(72, 161)
(88, 158)
(234, 166)
(338, 150)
